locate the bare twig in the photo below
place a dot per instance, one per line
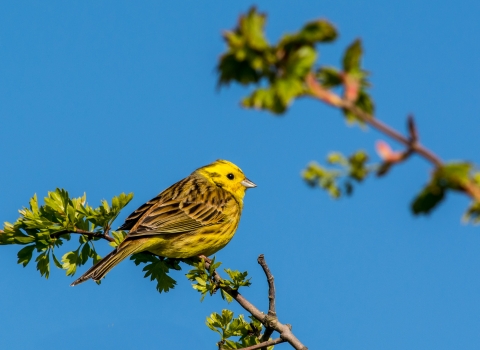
(271, 297)
(285, 330)
(82, 232)
(387, 130)
(271, 285)
(412, 129)
(265, 344)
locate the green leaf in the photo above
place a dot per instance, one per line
(329, 77)
(70, 261)
(25, 255)
(226, 296)
(428, 199)
(203, 278)
(316, 175)
(357, 163)
(227, 326)
(157, 269)
(118, 237)
(312, 33)
(352, 57)
(57, 263)
(451, 176)
(276, 98)
(318, 31)
(43, 264)
(85, 254)
(365, 102)
(300, 62)
(337, 158)
(237, 279)
(473, 213)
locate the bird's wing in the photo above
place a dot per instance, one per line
(184, 207)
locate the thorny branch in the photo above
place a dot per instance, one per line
(412, 143)
(268, 321)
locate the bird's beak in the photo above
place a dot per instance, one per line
(248, 184)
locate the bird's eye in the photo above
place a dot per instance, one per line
(230, 176)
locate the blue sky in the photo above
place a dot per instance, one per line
(105, 97)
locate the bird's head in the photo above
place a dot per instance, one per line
(228, 176)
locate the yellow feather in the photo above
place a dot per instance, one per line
(196, 216)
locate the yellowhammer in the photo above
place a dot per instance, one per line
(196, 216)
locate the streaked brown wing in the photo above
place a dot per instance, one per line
(166, 195)
(186, 206)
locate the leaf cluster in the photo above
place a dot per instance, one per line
(354, 79)
(204, 280)
(278, 70)
(157, 268)
(44, 228)
(247, 333)
(454, 176)
(339, 180)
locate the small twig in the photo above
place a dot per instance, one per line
(412, 129)
(106, 231)
(265, 344)
(271, 298)
(271, 285)
(82, 232)
(285, 330)
(384, 128)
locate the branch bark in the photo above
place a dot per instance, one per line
(265, 344)
(412, 143)
(271, 297)
(82, 232)
(285, 330)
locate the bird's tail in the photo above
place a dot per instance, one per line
(100, 269)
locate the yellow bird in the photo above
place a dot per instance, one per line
(196, 216)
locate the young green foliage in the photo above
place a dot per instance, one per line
(247, 333)
(80, 256)
(204, 279)
(473, 212)
(157, 269)
(355, 78)
(280, 68)
(450, 177)
(45, 228)
(351, 169)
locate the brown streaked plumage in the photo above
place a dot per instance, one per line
(196, 216)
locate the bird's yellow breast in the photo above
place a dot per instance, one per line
(206, 240)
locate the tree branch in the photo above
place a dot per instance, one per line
(285, 330)
(265, 344)
(82, 232)
(412, 143)
(271, 297)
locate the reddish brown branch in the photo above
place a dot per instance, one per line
(265, 344)
(285, 330)
(387, 130)
(412, 143)
(82, 232)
